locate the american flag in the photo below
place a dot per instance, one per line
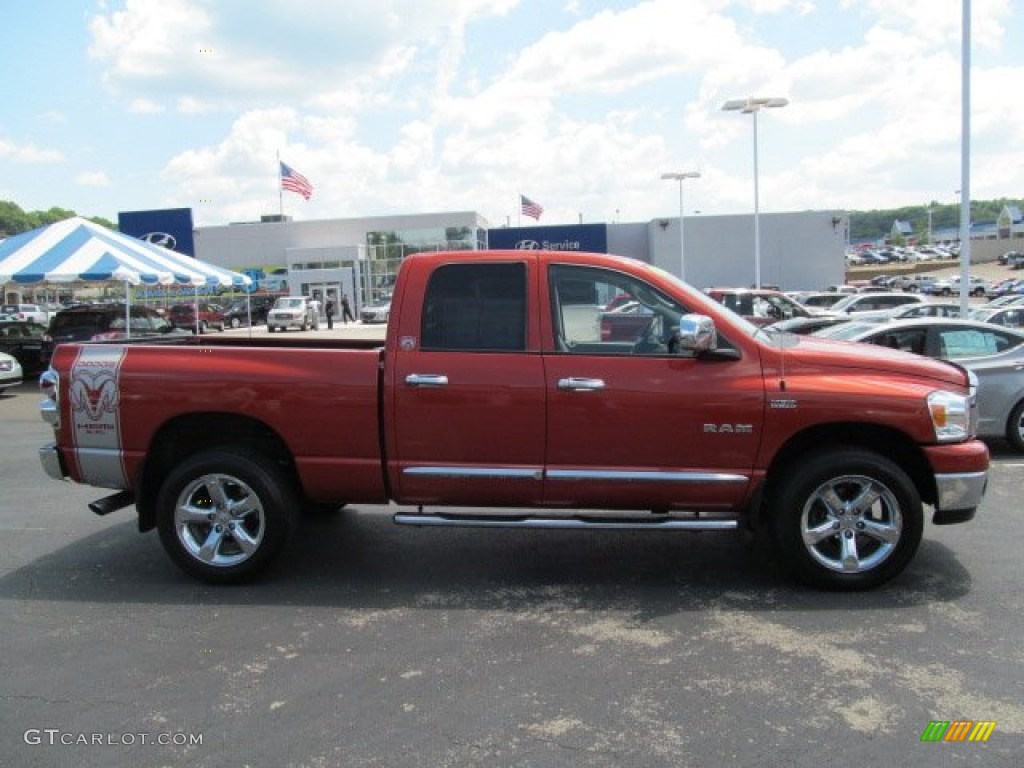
(294, 181)
(530, 208)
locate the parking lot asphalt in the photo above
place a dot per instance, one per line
(375, 645)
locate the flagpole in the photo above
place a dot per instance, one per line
(519, 207)
(280, 187)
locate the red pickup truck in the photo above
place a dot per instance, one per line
(497, 401)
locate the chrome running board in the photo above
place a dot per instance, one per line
(564, 523)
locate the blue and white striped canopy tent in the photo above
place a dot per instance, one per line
(78, 250)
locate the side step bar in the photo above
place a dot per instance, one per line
(567, 523)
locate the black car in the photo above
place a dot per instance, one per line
(238, 311)
(104, 322)
(23, 341)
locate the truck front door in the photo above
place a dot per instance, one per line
(632, 423)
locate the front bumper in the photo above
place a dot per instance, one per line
(961, 479)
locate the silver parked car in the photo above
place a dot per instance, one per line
(292, 312)
(995, 354)
(376, 313)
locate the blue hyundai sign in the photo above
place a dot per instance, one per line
(169, 227)
(575, 237)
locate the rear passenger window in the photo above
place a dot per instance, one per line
(476, 307)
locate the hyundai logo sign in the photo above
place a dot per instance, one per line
(527, 245)
(160, 238)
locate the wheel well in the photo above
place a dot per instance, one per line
(891, 443)
(187, 435)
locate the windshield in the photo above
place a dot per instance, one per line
(844, 331)
(289, 304)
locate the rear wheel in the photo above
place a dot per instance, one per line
(847, 519)
(1015, 427)
(223, 515)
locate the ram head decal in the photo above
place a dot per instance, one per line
(94, 393)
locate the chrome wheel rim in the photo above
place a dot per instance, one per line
(851, 524)
(219, 520)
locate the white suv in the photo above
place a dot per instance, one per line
(869, 302)
(292, 311)
(28, 313)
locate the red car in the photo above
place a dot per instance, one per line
(209, 316)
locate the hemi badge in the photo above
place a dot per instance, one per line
(782, 404)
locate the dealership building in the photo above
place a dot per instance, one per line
(359, 257)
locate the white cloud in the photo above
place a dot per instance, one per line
(382, 108)
(28, 153)
(92, 179)
(146, 107)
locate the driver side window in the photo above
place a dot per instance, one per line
(602, 312)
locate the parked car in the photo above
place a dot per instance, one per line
(759, 305)
(10, 372)
(1011, 317)
(993, 353)
(976, 286)
(1010, 287)
(292, 312)
(866, 302)
(817, 300)
(1008, 258)
(30, 313)
(914, 283)
(240, 311)
(1006, 300)
(806, 325)
(104, 322)
(197, 316)
(23, 341)
(376, 313)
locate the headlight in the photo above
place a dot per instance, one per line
(951, 416)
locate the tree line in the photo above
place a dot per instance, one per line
(14, 220)
(873, 225)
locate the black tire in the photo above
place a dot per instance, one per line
(828, 541)
(270, 329)
(1015, 427)
(224, 515)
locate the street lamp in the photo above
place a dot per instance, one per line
(680, 176)
(751, 106)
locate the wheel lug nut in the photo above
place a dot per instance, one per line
(849, 534)
(219, 528)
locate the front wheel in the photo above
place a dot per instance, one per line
(223, 515)
(847, 519)
(1015, 427)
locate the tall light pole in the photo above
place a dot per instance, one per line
(681, 176)
(751, 106)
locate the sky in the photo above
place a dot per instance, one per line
(423, 106)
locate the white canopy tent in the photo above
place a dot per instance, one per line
(78, 250)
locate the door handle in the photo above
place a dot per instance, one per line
(426, 380)
(574, 384)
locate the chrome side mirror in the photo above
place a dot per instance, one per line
(696, 333)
